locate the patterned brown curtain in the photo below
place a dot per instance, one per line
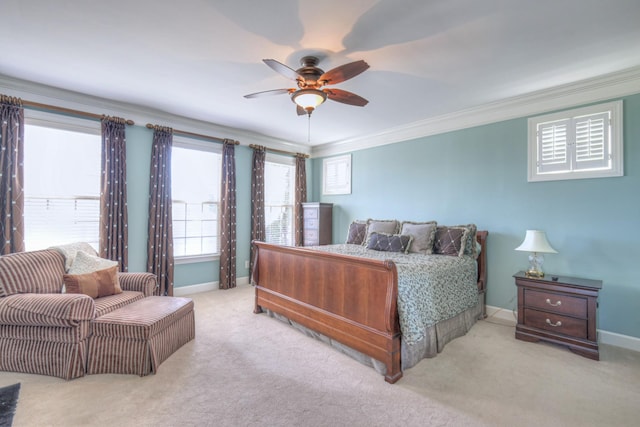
(301, 195)
(114, 236)
(11, 174)
(258, 228)
(160, 243)
(228, 217)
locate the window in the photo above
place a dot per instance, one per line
(279, 194)
(195, 192)
(580, 143)
(336, 175)
(61, 180)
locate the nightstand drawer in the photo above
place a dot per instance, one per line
(310, 213)
(311, 223)
(310, 237)
(557, 303)
(556, 323)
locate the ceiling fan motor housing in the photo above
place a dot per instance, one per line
(309, 72)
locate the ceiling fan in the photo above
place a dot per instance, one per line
(311, 81)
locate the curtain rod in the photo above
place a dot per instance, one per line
(68, 110)
(274, 150)
(197, 135)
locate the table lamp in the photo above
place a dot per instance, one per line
(535, 241)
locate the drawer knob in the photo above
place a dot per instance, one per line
(558, 323)
(559, 303)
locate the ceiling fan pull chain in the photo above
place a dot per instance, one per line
(309, 129)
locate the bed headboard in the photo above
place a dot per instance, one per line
(481, 237)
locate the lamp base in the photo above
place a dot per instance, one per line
(535, 265)
(534, 273)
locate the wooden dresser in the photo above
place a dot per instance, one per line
(560, 310)
(317, 223)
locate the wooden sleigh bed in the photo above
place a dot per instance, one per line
(349, 299)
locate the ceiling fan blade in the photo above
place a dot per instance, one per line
(301, 111)
(343, 72)
(345, 97)
(279, 67)
(269, 93)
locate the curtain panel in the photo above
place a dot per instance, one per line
(160, 241)
(300, 197)
(228, 217)
(114, 236)
(11, 174)
(258, 227)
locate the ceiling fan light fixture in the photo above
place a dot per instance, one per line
(309, 99)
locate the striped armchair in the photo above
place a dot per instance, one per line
(44, 331)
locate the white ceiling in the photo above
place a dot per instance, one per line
(197, 58)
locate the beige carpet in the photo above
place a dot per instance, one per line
(251, 370)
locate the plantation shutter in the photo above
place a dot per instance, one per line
(553, 146)
(337, 174)
(585, 142)
(592, 141)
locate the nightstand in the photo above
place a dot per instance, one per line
(560, 310)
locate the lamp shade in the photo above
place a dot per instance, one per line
(308, 98)
(536, 241)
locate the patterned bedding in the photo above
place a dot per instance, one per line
(431, 288)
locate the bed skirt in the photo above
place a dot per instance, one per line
(435, 338)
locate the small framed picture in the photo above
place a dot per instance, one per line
(336, 175)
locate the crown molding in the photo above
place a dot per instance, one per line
(606, 87)
(596, 89)
(50, 95)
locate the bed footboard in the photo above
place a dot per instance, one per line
(351, 300)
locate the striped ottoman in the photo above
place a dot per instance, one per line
(137, 338)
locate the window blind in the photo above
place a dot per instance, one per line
(195, 189)
(54, 221)
(279, 199)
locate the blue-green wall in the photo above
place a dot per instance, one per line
(139, 141)
(480, 175)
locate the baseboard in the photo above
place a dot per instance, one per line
(619, 340)
(205, 287)
(604, 337)
(503, 314)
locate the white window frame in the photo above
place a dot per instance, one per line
(194, 144)
(611, 165)
(67, 123)
(288, 161)
(336, 175)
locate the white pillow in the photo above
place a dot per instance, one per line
(70, 250)
(85, 263)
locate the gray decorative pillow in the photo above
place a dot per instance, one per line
(390, 226)
(357, 232)
(389, 242)
(450, 240)
(423, 233)
(470, 244)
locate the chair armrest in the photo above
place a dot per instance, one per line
(65, 310)
(140, 282)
